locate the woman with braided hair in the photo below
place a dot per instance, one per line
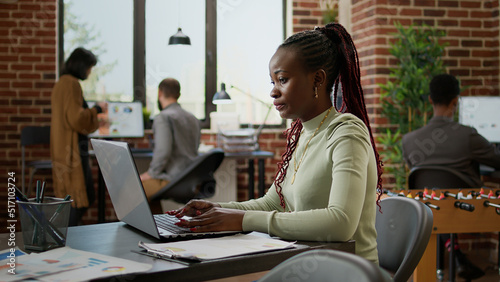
(327, 182)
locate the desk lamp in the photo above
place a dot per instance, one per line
(221, 97)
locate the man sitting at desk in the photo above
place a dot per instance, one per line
(176, 135)
(444, 142)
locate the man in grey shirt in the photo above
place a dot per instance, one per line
(443, 142)
(176, 135)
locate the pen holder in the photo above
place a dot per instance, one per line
(44, 225)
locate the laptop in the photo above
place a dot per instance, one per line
(129, 199)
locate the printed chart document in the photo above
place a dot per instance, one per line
(216, 248)
(66, 264)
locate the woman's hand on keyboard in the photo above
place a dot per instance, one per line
(193, 208)
(215, 219)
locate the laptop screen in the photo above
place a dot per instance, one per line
(124, 185)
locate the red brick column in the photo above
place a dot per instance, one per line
(27, 74)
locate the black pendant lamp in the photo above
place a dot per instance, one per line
(179, 38)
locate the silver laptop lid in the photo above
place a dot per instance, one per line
(124, 185)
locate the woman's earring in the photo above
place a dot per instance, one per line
(316, 92)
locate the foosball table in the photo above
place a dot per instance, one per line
(455, 211)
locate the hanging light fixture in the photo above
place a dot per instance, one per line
(179, 38)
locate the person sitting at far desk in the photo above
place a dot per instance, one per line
(326, 184)
(443, 142)
(176, 134)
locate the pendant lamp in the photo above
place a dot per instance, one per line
(179, 38)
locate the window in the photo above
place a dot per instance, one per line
(89, 24)
(247, 36)
(131, 43)
(186, 63)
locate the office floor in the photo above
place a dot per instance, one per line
(480, 259)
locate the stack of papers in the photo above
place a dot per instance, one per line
(66, 264)
(216, 248)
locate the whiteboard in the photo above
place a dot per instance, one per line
(482, 113)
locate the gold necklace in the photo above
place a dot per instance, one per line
(297, 165)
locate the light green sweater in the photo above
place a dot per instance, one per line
(333, 197)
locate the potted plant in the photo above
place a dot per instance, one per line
(404, 97)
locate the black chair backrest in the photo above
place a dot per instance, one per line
(326, 265)
(34, 135)
(404, 227)
(438, 177)
(196, 181)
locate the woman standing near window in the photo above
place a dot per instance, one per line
(71, 121)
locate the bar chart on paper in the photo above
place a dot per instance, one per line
(94, 262)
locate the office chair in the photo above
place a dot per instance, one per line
(403, 230)
(33, 135)
(437, 176)
(326, 265)
(196, 181)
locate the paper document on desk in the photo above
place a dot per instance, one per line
(66, 264)
(216, 248)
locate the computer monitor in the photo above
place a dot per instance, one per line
(482, 113)
(122, 119)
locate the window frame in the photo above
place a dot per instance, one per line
(139, 53)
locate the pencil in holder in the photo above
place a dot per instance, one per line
(44, 225)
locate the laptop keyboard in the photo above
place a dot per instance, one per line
(166, 222)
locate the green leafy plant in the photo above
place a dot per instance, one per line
(329, 9)
(392, 156)
(404, 97)
(146, 114)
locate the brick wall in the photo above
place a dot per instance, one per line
(306, 15)
(27, 74)
(28, 64)
(472, 29)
